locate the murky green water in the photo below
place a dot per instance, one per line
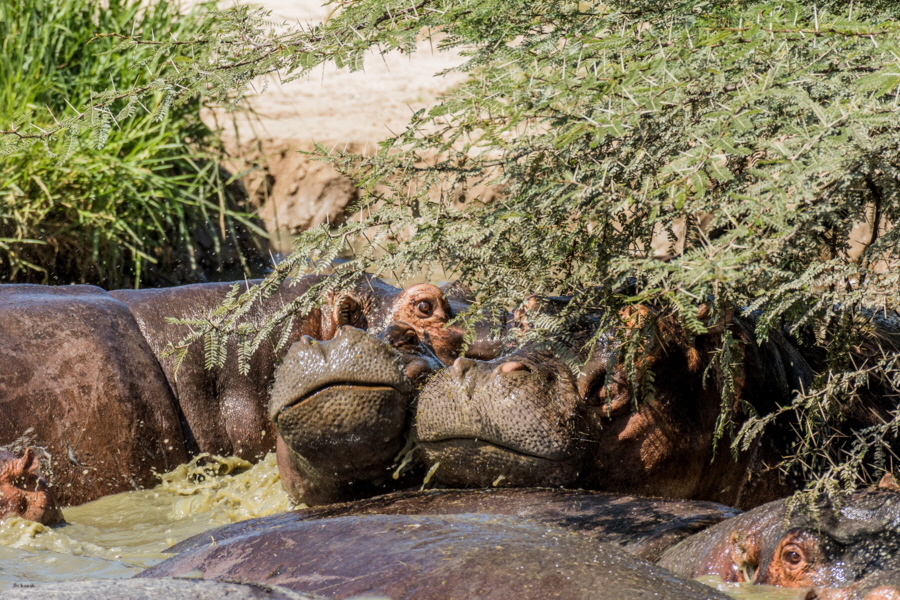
(119, 536)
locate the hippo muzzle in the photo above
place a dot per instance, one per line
(342, 409)
(504, 423)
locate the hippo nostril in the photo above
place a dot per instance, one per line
(461, 365)
(510, 367)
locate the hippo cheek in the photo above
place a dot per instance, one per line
(476, 463)
(347, 430)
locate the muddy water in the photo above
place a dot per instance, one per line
(119, 536)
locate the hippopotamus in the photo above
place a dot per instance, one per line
(113, 410)
(526, 419)
(152, 589)
(342, 408)
(224, 410)
(644, 527)
(430, 557)
(883, 585)
(80, 381)
(845, 542)
(24, 491)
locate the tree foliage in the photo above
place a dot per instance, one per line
(742, 140)
(117, 197)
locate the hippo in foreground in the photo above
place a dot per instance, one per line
(426, 557)
(848, 542)
(526, 419)
(644, 527)
(343, 409)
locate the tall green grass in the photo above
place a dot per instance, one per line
(150, 206)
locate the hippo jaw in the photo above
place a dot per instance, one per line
(342, 409)
(498, 423)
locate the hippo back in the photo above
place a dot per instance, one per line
(223, 410)
(79, 380)
(429, 557)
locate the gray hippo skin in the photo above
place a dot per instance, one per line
(644, 527)
(526, 420)
(224, 411)
(343, 407)
(79, 380)
(853, 538)
(433, 558)
(148, 589)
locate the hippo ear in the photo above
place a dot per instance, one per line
(29, 462)
(744, 551)
(349, 311)
(888, 482)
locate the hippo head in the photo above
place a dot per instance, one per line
(342, 408)
(24, 491)
(883, 585)
(509, 422)
(846, 542)
(641, 427)
(374, 305)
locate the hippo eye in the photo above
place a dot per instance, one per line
(424, 308)
(792, 555)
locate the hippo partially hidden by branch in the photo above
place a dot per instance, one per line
(831, 544)
(525, 419)
(84, 372)
(343, 408)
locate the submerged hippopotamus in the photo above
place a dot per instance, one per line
(79, 380)
(342, 408)
(24, 491)
(644, 527)
(850, 541)
(526, 419)
(428, 557)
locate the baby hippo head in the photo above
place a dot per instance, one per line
(508, 422)
(24, 491)
(342, 409)
(845, 547)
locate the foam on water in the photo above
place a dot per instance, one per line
(120, 535)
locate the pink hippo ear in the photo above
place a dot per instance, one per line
(29, 462)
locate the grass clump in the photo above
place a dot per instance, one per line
(145, 204)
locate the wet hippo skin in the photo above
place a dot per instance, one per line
(839, 543)
(431, 558)
(25, 491)
(143, 589)
(223, 410)
(80, 381)
(644, 527)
